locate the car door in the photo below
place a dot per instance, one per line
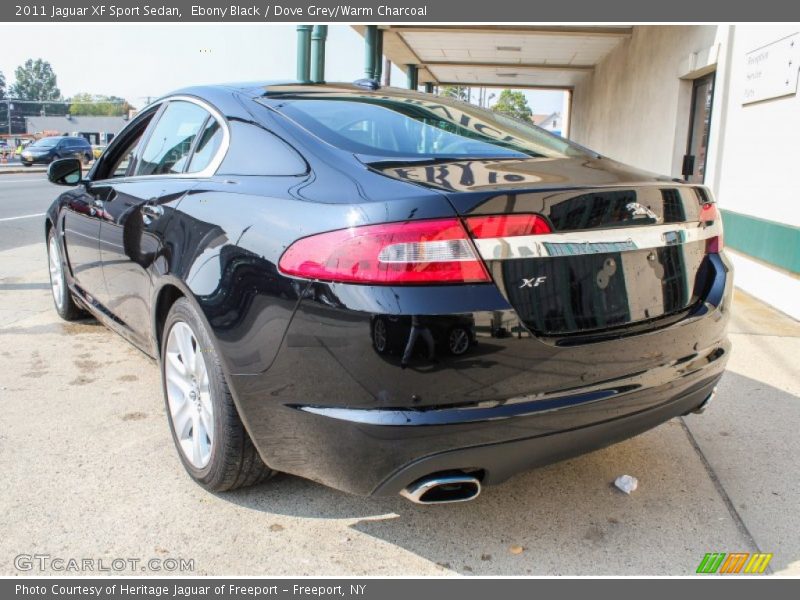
(136, 216)
(64, 149)
(81, 228)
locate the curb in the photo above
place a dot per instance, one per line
(16, 170)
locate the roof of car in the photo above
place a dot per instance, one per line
(277, 87)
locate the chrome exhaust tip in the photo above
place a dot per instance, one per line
(702, 408)
(443, 489)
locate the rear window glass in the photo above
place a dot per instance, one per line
(207, 146)
(410, 127)
(167, 150)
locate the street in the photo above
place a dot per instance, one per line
(24, 198)
(90, 470)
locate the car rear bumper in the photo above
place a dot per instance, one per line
(327, 406)
(374, 451)
(495, 463)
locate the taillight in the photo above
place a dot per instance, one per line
(710, 216)
(495, 226)
(415, 252)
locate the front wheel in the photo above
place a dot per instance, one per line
(212, 442)
(62, 298)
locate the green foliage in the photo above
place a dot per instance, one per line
(457, 92)
(513, 104)
(98, 105)
(35, 80)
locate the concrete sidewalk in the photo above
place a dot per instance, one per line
(15, 167)
(90, 471)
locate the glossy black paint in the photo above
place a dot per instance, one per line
(316, 396)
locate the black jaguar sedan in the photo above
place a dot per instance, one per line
(251, 238)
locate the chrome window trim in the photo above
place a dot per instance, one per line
(577, 243)
(213, 165)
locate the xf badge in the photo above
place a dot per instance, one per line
(532, 282)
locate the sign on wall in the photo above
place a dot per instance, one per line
(772, 70)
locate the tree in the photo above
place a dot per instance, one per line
(456, 92)
(35, 80)
(513, 104)
(2, 85)
(98, 105)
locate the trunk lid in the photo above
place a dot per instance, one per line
(626, 248)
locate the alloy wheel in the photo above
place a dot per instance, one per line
(379, 335)
(56, 272)
(459, 341)
(189, 395)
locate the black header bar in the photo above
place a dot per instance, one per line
(399, 11)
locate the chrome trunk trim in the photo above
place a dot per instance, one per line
(600, 241)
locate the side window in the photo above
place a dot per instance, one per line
(120, 168)
(207, 146)
(168, 148)
(117, 160)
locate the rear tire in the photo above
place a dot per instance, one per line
(65, 305)
(212, 443)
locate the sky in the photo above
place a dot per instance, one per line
(137, 62)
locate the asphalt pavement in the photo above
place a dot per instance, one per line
(89, 469)
(24, 198)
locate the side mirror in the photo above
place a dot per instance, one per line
(64, 171)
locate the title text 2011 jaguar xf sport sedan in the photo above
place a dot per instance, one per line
(386, 291)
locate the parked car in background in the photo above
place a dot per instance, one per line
(46, 150)
(312, 265)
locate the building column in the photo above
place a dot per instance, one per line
(304, 53)
(370, 45)
(378, 56)
(318, 38)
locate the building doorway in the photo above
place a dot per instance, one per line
(694, 161)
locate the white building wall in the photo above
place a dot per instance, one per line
(634, 107)
(760, 161)
(759, 166)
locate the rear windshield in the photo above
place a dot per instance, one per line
(415, 128)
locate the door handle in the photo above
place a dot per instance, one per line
(153, 211)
